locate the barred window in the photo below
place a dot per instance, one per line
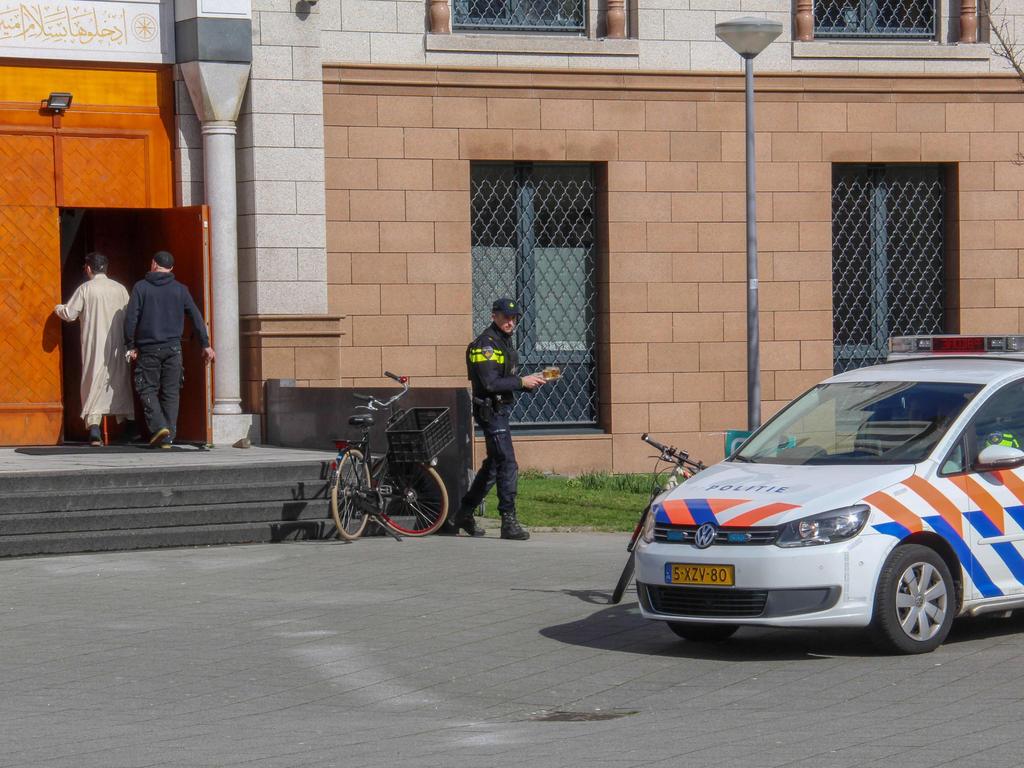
(520, 15)
(533, 241)
(905, 19)
(888, 258)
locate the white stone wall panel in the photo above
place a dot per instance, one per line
(340, 47)
(288, 164)
(396, 48)
(291, 298)
(285, 97)
(369, 16)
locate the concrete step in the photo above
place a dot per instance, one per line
(152, 538)
(149, 477)
(29, 502)
(62, 523)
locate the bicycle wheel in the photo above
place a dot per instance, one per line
(419, 500)
(624, 578)
(352, 475)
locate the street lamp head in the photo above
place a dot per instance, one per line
(749, 35)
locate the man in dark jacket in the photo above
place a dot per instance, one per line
(153, 323)
(491, 361)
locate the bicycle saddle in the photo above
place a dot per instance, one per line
(364, 420)
(362, 398)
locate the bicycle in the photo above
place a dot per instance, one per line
(684, 469)
(400, 489)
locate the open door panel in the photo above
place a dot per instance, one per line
(185, 232)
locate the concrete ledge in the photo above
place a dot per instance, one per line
(561, 44)
(875, 49)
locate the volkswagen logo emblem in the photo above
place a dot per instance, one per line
(705, 536)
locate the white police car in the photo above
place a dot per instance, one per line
(890, 497)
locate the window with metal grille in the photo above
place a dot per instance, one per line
(523, 15)
(888, 258)
(533, 241)
(874, 18)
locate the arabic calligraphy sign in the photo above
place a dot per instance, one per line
(121, 31)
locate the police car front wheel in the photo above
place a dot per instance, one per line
(915, 601)
(702, 633)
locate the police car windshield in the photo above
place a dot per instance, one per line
(860, 422)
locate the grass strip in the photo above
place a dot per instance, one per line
(596, 500)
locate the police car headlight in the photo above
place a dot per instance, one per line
(825, 527)
(647, 533)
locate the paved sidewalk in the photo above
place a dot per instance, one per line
(454, 652)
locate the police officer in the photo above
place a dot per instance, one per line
(491, 362)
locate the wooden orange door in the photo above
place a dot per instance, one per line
(185, 232)
(31, 412)
(30, 378)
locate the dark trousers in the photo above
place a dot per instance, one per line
(158, 378)
(499, 467)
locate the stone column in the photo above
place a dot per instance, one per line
(804, 20)
(219, 175)
(968, 21)
(216, 89)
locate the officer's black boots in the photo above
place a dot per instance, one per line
(511, 529)
(465, 521)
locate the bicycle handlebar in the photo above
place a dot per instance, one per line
(372, 403)
(669, 453)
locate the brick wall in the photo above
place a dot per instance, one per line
(399, 143)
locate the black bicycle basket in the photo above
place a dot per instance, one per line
(419, 434)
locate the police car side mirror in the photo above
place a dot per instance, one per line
(999, 457)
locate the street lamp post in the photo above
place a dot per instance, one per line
(748, 36)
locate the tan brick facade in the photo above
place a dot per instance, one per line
(669, 150)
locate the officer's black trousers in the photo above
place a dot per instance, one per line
(499, 467)
(158, 378)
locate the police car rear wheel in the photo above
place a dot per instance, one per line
(915, 601)
(702, 633)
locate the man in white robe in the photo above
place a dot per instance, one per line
(106, 385)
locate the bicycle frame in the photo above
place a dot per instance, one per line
(373, 500)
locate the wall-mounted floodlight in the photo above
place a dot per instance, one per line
(58, 102)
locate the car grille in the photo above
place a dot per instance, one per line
(710, 602)
(683, 534)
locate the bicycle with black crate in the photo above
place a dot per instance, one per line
(399, 489)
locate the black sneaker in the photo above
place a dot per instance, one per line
(95, 437)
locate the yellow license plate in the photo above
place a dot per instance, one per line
(710, 575)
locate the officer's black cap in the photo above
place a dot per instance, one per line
(506, 307)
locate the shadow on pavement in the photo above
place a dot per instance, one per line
(984, 627)
(592, 596)
(621, 628)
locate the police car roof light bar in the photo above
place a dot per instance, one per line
(954, 344)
